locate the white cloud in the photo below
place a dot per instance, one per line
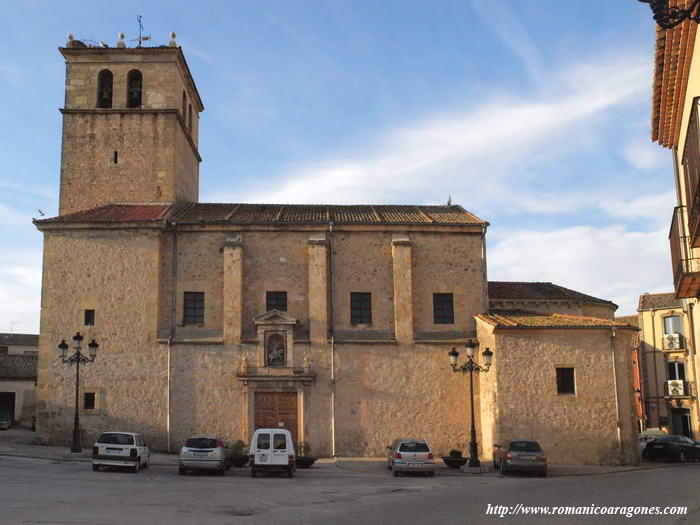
(647, 156)
(473, 154)
(611, 262)
(657, 207)
(20, 291)
(498, 15)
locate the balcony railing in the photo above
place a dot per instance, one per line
(686, 268)
(679, 388)
(691, 174)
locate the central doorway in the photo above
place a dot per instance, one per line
(7, 404)
(272, 408)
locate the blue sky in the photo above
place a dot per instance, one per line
(533, 114)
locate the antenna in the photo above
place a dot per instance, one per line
(141, 37)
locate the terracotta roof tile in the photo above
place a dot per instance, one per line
(655, 301)
(19, 339)
(113, 213)
(18, 366)
(628, 319)
(504, 290)
(673, 55)
(525, 319)
(232, 213)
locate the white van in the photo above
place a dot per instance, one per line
(272, 450)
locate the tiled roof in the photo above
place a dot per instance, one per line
(505, 290)
(113, 213)
(18, 366)
(628, 319)
(674, 52)
(19, 340)
(655, 301)
(272, 214)
(525, 319)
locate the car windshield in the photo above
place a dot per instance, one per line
(525, 446)
(414, 447)
(201, 443)
(116, 439)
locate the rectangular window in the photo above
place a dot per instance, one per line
(4, 350)
(443, 308)
(89, 318)
(280, 442)
(264, 441)
(193, 308)
(676, 370)
(565, 381)
(89, 400)
(360, 308)
(115, 157)
(276, 301)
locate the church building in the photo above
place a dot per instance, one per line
(332, 321)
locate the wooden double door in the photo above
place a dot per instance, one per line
(272, 408)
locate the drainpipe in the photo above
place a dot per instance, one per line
(332, 329)
(172, 331)
(617, 404)
(691, 350)
(486, 306)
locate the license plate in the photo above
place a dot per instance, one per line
(527, 457)
(201, 453)
(116, 452)
(658, 446)
(414, 465)
(263, 458)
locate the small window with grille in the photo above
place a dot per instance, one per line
(193, 308)
(89, 318)
(443, 309)
(276, 301)
(89, 400)
(360, 308)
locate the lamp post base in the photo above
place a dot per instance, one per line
(76, 442)
(473, 462)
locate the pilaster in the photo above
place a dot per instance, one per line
(233, 289)
(403, 289)
(318, 288)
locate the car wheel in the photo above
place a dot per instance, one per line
(290, 472)
(681, 457)
(95, 468)
(148, 460)
(503, 468)
(137, 465)
(395, 472)
(221, 471)
(253, 473)
(543, 474)
(431, 474)
(181, 471)
(496, 465)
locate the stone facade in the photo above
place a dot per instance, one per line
(189, 345)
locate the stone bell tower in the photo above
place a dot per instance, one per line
(130, 126)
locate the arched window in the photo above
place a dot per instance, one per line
(184, 105)
(104, 89)
(275, 351)
(190, 119)
(134, 82)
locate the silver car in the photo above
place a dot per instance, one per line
(521, 456)
(410, 455)
(204, 453)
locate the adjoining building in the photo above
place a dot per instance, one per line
(676, 126)
(18, 366)
(668, 365)
(332, 321)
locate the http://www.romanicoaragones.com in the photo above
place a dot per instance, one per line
(587, 510)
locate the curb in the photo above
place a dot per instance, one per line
(72, 460)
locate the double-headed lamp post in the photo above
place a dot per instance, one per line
(472, 367)
(77, 359)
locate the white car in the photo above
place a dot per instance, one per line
(120, 449)
(272, 450)
(204, 453)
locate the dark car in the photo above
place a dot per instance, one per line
(521, 456)
(5, 420)
(673, 448)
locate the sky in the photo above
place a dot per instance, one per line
(532, 114)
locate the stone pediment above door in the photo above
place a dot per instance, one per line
(274, 317)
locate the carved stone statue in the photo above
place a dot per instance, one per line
(275, 351)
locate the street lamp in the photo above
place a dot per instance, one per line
(668, 17)
(77, 359)
(473, 368)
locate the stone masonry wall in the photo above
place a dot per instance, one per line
(116, 274)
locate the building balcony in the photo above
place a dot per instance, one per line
(686, 267)
(678, 389)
